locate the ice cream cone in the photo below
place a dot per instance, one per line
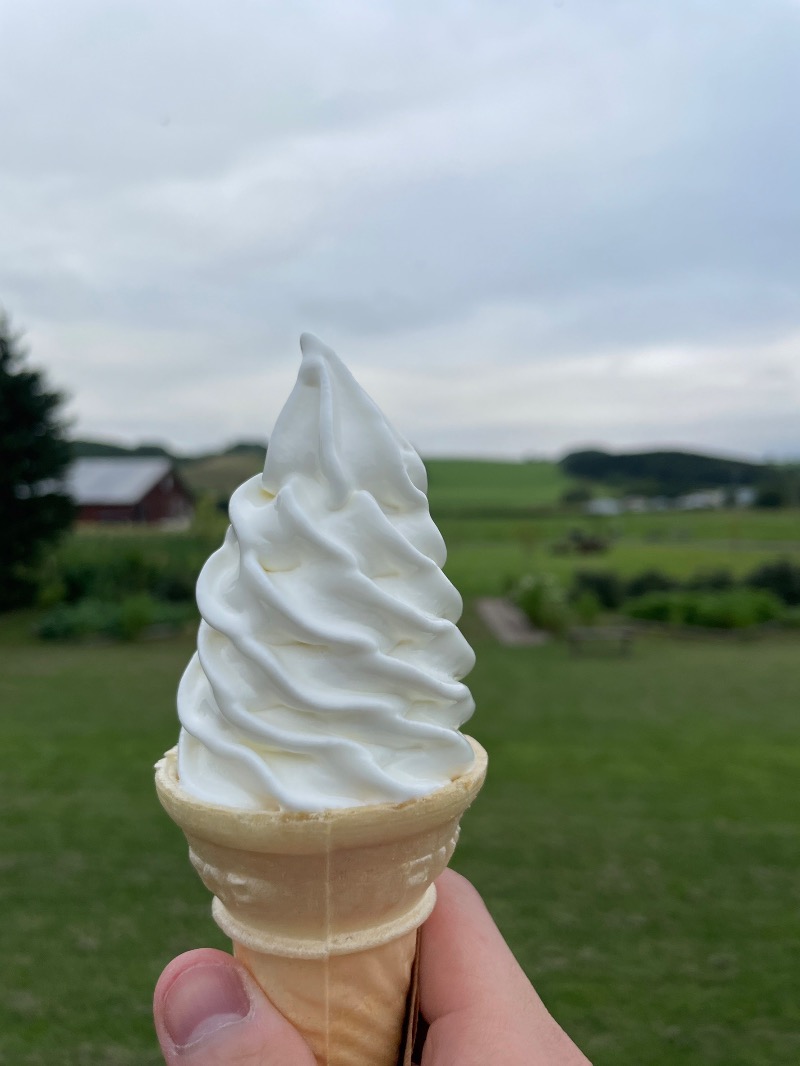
(323, 908)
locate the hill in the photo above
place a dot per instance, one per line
(472, 487)
(667, 473)
(458, 487)
(219, 475)
(96, 449)
(463, 488)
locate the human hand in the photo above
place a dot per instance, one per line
(479, 1005)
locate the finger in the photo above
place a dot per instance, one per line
(479, 1004)
(209, 1012)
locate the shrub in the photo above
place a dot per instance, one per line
(604, 584)
(771, 496)
(175, 586)
(113, 566)
(736, 608)
(136, 613)
(78, 579)
(781, 577)
(51, 588)
(544, 601)
(577, 494)
(587, 607)
(75, 621)
(119, 621)
(665, 606)
(649, 581)
(710, 581)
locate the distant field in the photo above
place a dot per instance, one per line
(503, 496)
(724, 527)
(456, 485)
(219, 475)
(637, 841)
(485, 554)
(471, 485)
(486, 568)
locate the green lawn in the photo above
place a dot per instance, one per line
(637, 840)
(725, 528)
(219, 475)
(487, 568)
(458, 486)
(485, 554)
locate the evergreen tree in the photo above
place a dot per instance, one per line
(34, 454)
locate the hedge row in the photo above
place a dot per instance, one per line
(712, 599)
(781, 578)
(126, 620)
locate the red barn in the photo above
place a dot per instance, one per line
(147, 490)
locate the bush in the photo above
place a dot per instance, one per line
(710, 581)
(544, 601)
(771, 496)
(666, 606)
(587, 608)
(136, 613)
(118, 621)
(605, 585)
(736, 608)
(112, 566)
(791, 617)
(577, 494)
(781, 577)
(76, 621)
(649, 581)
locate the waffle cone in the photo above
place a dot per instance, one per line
(324, 908)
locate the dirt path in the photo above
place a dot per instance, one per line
(508, 624)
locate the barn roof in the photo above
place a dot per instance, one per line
(114, 481)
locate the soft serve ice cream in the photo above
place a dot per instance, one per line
(328, 662)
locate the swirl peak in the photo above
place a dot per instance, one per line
(328, 662)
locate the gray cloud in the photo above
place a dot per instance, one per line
(532, 195)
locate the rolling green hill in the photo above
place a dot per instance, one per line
(457, 487)
(97, 449)
(667, 472)
(466, 487)
(219, 475)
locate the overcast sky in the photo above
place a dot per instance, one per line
(524, 225)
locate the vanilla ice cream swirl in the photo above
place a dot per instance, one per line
(329, 663)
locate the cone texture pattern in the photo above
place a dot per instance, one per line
(323, 908)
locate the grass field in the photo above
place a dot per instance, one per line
(485, 554)
(474, 486)
(455, 484)
(637, 841)
(219, 475)
(485, 568)
(726, 528)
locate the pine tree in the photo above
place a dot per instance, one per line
(34, 454)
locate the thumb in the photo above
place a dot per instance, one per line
(210, 1012)
(478, 1003)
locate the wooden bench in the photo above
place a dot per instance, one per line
(581, 636)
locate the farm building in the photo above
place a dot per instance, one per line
(147, 490)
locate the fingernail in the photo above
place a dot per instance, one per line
(202, 1000)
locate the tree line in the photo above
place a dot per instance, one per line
(674, 473)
